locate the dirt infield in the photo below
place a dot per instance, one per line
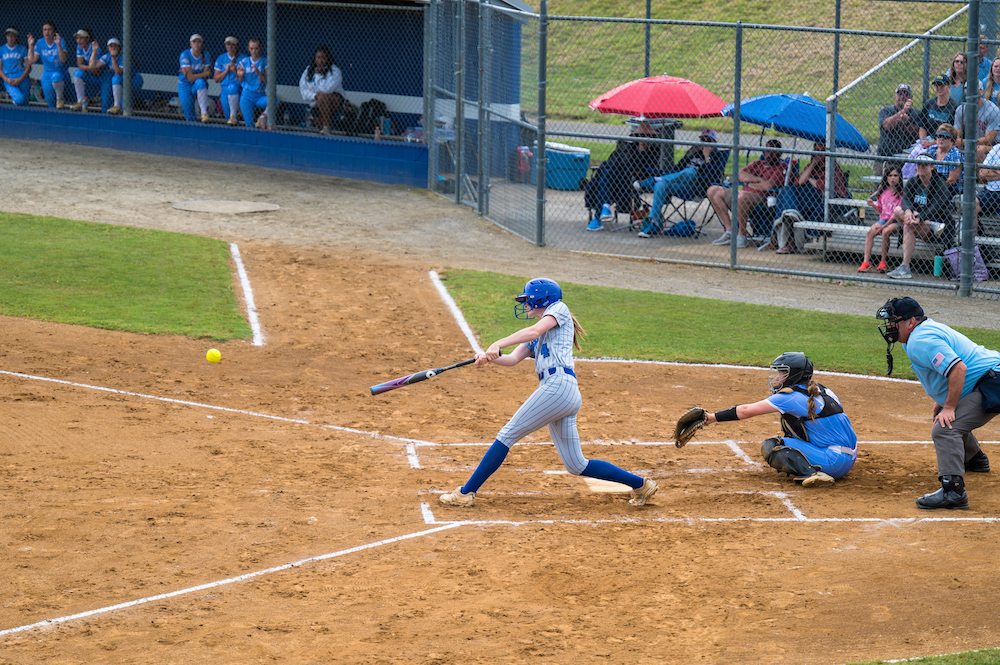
(135, 473)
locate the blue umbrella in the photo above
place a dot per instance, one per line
(797, 115)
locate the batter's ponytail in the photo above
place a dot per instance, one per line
(813, 390)
(577, 329)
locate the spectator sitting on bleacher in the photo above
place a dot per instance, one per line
(611, 185)
(252, 73)
(16, 65)
(699, 168)
(113, 63)
(898, 125)
(51, 50)
(885, 200)
(957, 75)
(988, 200)
(89, 70)
(225, 76)
(192, 81)
(757, 178)
(322, 86)
(924, 212)
(803, 199)
(991, 82)
(984, 58)
(945, 151)
(988, 123)
(937, 111)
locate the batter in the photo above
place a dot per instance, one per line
(555, 403)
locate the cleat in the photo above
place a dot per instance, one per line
(642, 494)
(979, 463)
(818, 479)
(233, 120)
(458, 499)
(60, 104)
(204, 117)
(115, 110)
(76, 107)
(262, 122)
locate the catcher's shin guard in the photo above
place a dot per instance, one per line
(787, 460)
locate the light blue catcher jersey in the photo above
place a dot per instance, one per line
(835, 430)
(196, 64)
(221, 63)
(933, 349)
(554, 348)
(50, 55)
(251, 81)
(13, 59)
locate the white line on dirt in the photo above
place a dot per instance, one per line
(258, 336)
(455, 312)
(231, 580)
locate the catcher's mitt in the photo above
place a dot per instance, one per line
(688, 425)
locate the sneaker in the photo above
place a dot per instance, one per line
(787, 249)
(606, 215)
(233, 120)
(641, 495)
(741, 241)
(979, 463)
(950, 500)
(204, 117)
(76, 107)
(649, 230)
(882, 267)
(937, 228)
(818, 479)
(723, 239)
(115, 110)
(60, 104)
(865, 266)
(456, 498)
(595, 225)
(644, 234)
(326, 130)
(902, 272)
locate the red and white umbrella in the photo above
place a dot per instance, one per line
(660, 97)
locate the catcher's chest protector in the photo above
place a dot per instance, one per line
(793, 425)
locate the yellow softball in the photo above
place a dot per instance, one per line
(213, 356)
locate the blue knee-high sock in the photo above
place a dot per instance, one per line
(491, 461)
(606, 471)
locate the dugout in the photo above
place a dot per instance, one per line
(383, 49)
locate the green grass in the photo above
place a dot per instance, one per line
(655, 326)
(117, 278)
(982, 657)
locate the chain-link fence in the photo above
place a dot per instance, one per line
(337, 68)
(622, 184)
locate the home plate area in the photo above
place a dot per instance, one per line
(714, 481)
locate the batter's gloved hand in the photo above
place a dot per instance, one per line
(688, 425)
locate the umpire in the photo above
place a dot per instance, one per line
(961, 377)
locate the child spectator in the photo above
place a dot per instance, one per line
(885, 200)
(225, 76)
(252, 73)
(192, 81)
(16, 63)
(322, 85)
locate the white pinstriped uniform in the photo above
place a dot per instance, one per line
(557, 400)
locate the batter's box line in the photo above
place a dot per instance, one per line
(47, 623)
(797, 516)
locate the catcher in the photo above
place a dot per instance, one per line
(819, 444)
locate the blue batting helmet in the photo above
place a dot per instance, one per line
(537, 293)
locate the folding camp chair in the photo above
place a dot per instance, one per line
(673, 208)
(627, 206)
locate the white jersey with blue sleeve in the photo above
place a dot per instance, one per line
(934, 349)
(251, 81)
(221, 63)
(554, 347)
(50, 55)
(197, 65)
(13, 59)
(835, 430)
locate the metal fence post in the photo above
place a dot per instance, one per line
(927, 67)
(126, 57)
(968, 230)
(430, 94)
(831, 142)
(735, 156)
(649, 15)
(481, 112)
(460, 64)
(543, 22)
(272, 63)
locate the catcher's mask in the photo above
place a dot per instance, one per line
(537, 293)
(792, 369)
(890, 314)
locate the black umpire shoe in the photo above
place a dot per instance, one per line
(951, 496)
(979, 463)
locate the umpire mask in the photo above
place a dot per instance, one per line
(890, 314)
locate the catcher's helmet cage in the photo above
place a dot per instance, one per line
(796, 367)
(540, 292)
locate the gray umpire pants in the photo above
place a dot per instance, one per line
(958, 444)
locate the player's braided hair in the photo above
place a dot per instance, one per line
(577, 328)
(813, 389)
